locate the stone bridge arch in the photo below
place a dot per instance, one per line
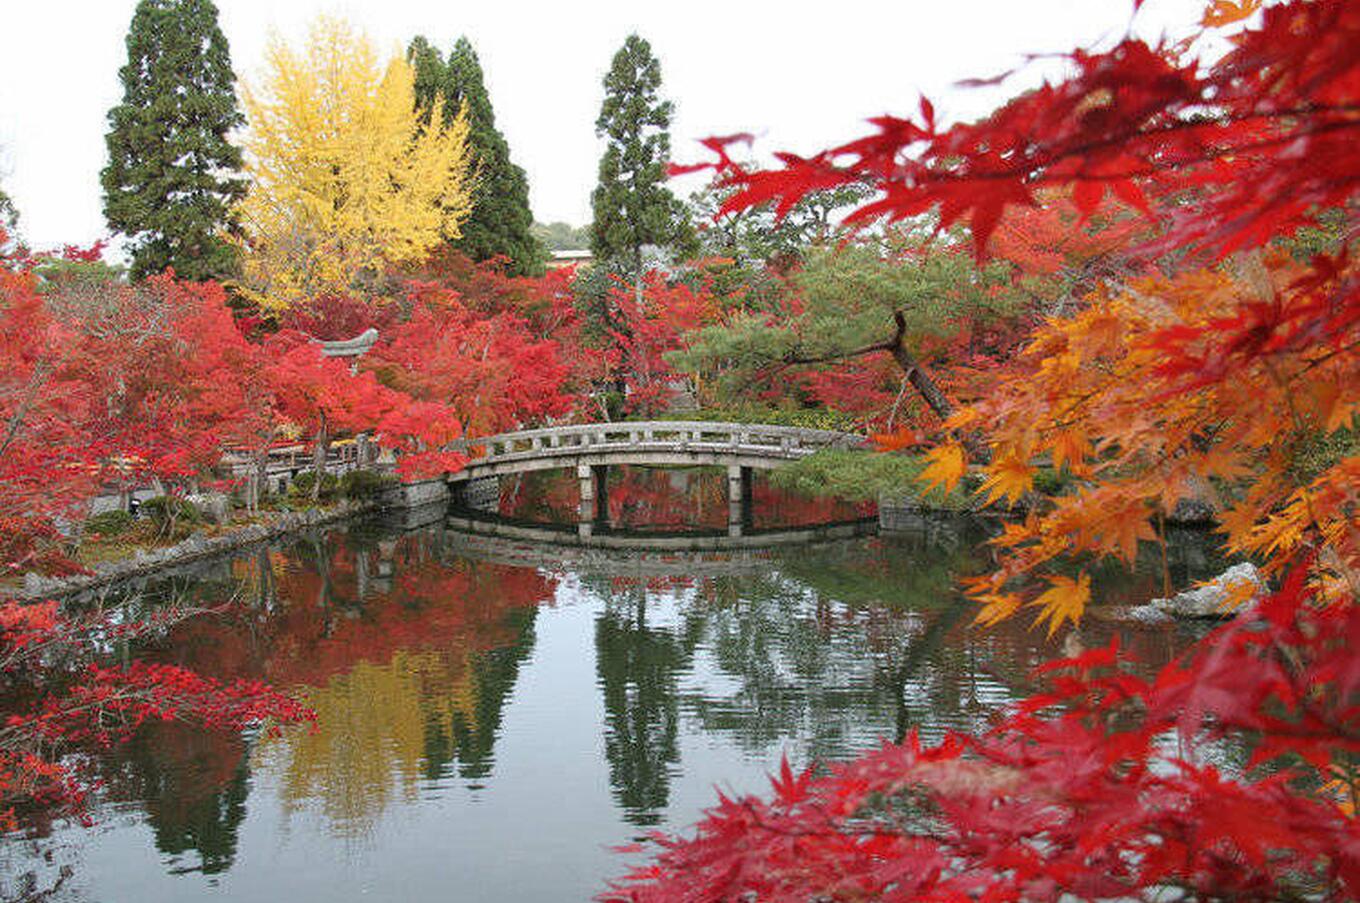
(590, 449)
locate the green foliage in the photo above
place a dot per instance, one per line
(807, 418)
(109, 523)
(171, 514)
(560, 236)
(851, 294)
(863, 474)
(738, 287)
(591, 297)
(1327, 237)
(501, 224)
(744, 256)
(1319, 451)
(364, 485)
(755, 236)
(300, 489)
(1048, 481)
(56, 274)
(172, 175)
(355, 485)
(848, 299)
(632, 206)
(732, 353)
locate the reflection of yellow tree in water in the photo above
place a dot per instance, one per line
(374, 723)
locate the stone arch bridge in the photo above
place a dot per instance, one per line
(591, 449)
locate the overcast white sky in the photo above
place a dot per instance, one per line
(800, 75)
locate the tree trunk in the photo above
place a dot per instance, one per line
(916, 374)
(637, 277)
(319, 458)
(260, 479)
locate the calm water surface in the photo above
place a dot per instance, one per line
(494, 717)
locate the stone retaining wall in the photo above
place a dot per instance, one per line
(420, 494)
(482, 494)
(415, 494)
(145, 561)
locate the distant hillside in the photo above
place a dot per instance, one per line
(562, 236)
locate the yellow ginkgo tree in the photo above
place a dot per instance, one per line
(348, 180)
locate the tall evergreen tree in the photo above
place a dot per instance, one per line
(632, 206)
(501, 221)
(172, 176)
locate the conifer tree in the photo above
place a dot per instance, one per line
(501, 221)
(632, 206)
(172, 176)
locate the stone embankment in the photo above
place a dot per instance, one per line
(142, 562)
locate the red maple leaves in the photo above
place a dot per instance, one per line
(1133, 121)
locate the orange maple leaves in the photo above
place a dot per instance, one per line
(1100, 397)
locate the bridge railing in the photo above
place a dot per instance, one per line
(775, 441)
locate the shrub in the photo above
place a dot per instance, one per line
(862, 474)
(168, 507)
(819, 418)
(170, 514)
(301, 487)
(1049, 481)
(363, 485)
(109, 523)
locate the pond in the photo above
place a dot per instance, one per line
(494, 717)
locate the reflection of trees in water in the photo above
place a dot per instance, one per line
(831, 647)
(464, 741)
(370, 743)
(407, 652)
(34, 868)
(638, 666)
(408, 664)
(803, 665)
(807, 663)
(410, 654)
(192, 783)
(841, 645)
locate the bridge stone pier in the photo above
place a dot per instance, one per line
(591, 449)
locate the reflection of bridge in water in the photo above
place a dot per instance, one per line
(621, 552)
(591, 449)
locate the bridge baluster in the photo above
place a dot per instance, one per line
(633, 442)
